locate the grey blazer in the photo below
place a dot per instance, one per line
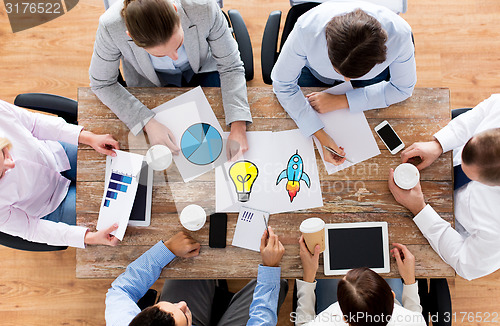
(209, 46)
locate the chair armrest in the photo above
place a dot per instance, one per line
(18, 243)
(244, 43)
(269, 49)
(62, 106)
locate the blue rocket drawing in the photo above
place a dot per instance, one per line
(294, 173)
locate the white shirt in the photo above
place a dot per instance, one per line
(475, 251)
(409, 315)
(34, 188)
(306, 46)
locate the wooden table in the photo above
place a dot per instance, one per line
(357, 194)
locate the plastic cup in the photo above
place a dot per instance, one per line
(406, 176)
(193, 217)
(313, 230)
(159, 157)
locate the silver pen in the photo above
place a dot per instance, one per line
(334, 152)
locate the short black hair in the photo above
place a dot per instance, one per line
(153, 316)
(483, 151)
(356, 43)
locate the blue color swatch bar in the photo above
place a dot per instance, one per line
(121, 178)
(116, 186)
(111, 194)
(106, 203)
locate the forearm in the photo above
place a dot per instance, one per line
(263, 310)
(411, 299)
(306, 302)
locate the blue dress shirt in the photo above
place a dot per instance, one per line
(306, 47)
(130, 286)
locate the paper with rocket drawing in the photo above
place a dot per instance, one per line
(278, 174)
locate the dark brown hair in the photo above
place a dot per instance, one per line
(153, 316)
(483, 151)
(365, 298)
(150, 22)
(356, 43)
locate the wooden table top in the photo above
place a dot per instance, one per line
(356, 194)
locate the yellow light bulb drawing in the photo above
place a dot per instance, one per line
(243, 175)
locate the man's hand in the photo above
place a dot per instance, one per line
(182, 245)
(310, 262)
(271, 249)
(324, 102)
(237, 143)
(160, 134)
(405, 261)
(412, 199)
(102, 237)
(327, 141)
(103, 144)
(427, 151)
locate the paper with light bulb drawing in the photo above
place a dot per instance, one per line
(277, 174)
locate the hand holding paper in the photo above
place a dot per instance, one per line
(102, 237)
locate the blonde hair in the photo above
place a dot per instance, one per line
(5, 143)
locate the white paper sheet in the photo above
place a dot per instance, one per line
(119, 191)
(350, 131)
(285, 145)
(270, 153)
(250, 228)
(226, 192)
(180, 115)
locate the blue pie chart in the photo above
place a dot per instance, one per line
(201, 144)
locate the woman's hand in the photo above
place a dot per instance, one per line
(102, 237)
(405, 261)
(103, 144)
(310, 262)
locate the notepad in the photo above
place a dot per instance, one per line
(249, 228)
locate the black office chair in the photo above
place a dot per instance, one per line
(66, 109)
(240, 34)
(269, 50)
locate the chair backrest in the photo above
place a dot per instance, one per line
(291, 18)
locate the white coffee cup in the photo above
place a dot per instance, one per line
(193, 217)
(159, 157)
(406, 176)
(313, 230)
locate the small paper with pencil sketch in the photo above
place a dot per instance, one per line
(120, 188)
(197, 133)
(350, 131)
(250, 227)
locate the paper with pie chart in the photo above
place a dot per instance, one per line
(197, 133)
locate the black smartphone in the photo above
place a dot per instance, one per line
(218, 230)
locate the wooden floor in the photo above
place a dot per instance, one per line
(457, 46)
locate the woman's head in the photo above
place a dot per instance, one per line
(365, 298)
(150, 22)
(6, 161)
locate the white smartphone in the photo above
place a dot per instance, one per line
(389, 137)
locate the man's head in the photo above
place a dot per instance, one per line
(153, 24)
(6, 161)
(481, 157)
(365, 298)
(356, 43)
(164, 314)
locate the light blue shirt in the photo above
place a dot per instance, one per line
(306, 46)
(130, 286)
(170, 71)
